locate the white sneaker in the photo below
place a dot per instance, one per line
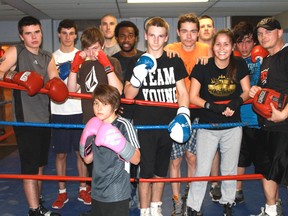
(155, 208)
(145, 212)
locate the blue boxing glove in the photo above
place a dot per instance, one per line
(180, 127)
(145, 63)
(64, 70)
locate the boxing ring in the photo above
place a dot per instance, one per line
(252, 195)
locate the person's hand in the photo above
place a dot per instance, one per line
(277, 115)
(217, 108)
(145, 63)
(203, 60)
(78, 60)
(253, 90)
(30, 80)
(104, 61)
(172, 53)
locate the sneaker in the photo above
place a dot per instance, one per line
(87, 213)
(62, 198)
(279, 208)
(155, 209)
(239, 198)
(228, 209)
(177, 206)
(145, 212)
(84, 197)
(184, 200)
(42, 211)
(88, 189)
(192, 212)
(215, 193)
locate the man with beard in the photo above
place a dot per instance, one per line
(126, 34)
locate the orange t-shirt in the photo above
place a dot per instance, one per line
(189, 58)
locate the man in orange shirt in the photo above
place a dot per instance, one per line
(190, 51)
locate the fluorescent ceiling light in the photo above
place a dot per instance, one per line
(165, 1)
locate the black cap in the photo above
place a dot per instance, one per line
(269, 23)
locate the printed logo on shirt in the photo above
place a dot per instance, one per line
(91, 80)
(263, 76)
(221, 86)
(160, 86)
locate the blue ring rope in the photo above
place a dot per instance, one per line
(140, 127)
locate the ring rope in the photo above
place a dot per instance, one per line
(141, 127)
(126, 101)
(123, 100)
(187, 179)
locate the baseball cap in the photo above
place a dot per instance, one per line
(269, 23)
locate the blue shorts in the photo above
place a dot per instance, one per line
(64, 140)
(178, 149)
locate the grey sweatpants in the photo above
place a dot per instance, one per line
(206, 145)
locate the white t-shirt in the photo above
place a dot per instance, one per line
(70, 106)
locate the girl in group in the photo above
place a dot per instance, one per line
(224, 78)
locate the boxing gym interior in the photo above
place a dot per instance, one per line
(225, 13)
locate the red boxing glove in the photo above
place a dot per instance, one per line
(88, 136)
(30, 80)
(263, 98)
(77, 62)
(237, 53)
(104, 61)
(258, 52)
(57, 90)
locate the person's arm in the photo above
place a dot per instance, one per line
(194, 93)
(183, 97)
(245, 85)
(130, 91)
(8, 61)
(113, 80)
(52, 69)
(88, 159)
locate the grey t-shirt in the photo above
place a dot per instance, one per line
(110, 177)
(31, 108)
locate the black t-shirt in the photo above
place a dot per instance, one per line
(158, 86)
(274, 75)
(216, 86)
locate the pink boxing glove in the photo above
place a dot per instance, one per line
(88, 136)
(110, 137)
(104, 61)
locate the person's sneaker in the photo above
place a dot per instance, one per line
(279, 208)
(87, 213)
(155, 209)
(215, 193)
(42, 211)
(62, 198)
(228, 209)
(84, 197)
(239, 198)
(192, 212)
(177, 206)
(88, 189)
